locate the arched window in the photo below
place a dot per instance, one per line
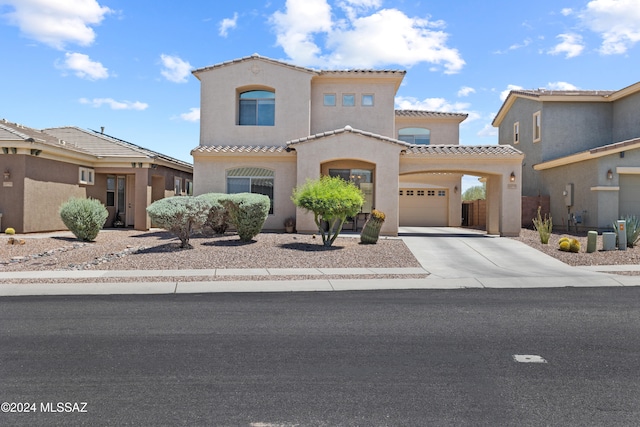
(419, 136)
(251, 180)
(257, 108)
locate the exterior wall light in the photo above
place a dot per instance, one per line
(455, 189)
(512, 177)
(7, 175)
(609, 174)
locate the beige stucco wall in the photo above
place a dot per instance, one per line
(219, 93)
(42, 202)
(377, 119)
(348, 145)
(210, 177)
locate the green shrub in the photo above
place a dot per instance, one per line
(179, 215)
(84, 217)
(332, 200)
(543, 226)
(632, 227)
(9, 230)
(218, 218)
(247, 213)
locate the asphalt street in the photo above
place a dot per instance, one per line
(376, 358)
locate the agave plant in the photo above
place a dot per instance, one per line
(632, 226)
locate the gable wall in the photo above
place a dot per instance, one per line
(443, 132)
(626, 118)
(219, 103)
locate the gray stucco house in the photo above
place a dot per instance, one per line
(582, 150)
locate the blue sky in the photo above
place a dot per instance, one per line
(125, 65)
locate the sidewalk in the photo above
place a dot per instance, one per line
(450, 259)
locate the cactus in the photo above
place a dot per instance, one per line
(371, 230)
(9, 231)
(569, 245)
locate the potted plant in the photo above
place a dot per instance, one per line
(289, 224)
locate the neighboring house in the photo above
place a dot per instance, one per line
(582, 150)
(267, 126)
(44, 168)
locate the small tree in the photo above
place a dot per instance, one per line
(84, 217)
(247, 213)
(477, 192)
(179, 215)
(332, 200)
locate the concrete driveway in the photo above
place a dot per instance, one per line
(459, 253)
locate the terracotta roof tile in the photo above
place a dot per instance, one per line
(435, 114)
(463, 150)
(343, 130)
(240, 149)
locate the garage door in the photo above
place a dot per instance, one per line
(420, 207)
(629, 201)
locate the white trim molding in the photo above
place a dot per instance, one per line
(605, 188)
(629, 170)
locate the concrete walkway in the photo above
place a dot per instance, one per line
(453, 258)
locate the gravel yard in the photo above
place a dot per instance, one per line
(119, 249)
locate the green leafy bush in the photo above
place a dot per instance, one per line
(179, 215)
(218, 218)
(84, 217)
(632, 227)
(543, 226)
(247, 213)
(331, 199)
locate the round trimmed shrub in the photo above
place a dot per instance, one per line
(84, 217)
(247, 212)
(218, 218)
(179, 215)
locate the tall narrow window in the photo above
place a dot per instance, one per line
(251, 180)
(420, 136)
(257, 108)
(516, 132)
(536, 126)
(177, 186)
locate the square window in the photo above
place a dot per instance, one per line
(348, 100)
(329, 99)
(367, 100)
(431, 192)
(420, 192)
(85, 176)
(442, 193)
(409, 192)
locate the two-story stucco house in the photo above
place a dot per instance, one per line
(582, 149)
(267, 126)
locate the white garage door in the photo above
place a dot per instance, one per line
(421, 207)
(629, 201)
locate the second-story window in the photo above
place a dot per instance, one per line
(367, 100)
(420, 136)
(536, 127)
(329, 100)
(257, 108)
(348, 100)
(516, 132)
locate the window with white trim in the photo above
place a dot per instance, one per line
(516, 132)
(86, 176)
(251, 180)
(537, 125)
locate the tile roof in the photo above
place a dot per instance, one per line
(435, 114)
(246, 58)
(101, 145)
(240, 149)
(544, 92)
(343, 130)
(463, 150)
(16, 132)
(616, 146)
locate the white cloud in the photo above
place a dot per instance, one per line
(115, 105)
(566, 11)
(526, 42)
(571, 45)
(175, 69)
(505, 93)
(56, 22)
(361, 40)
(617, 22)
(227, 24)
(488, 131)
(561, 86)
(192, 116)
(84, 67)
(466, 91)
(437, 104)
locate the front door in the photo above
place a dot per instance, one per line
(129, 197)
